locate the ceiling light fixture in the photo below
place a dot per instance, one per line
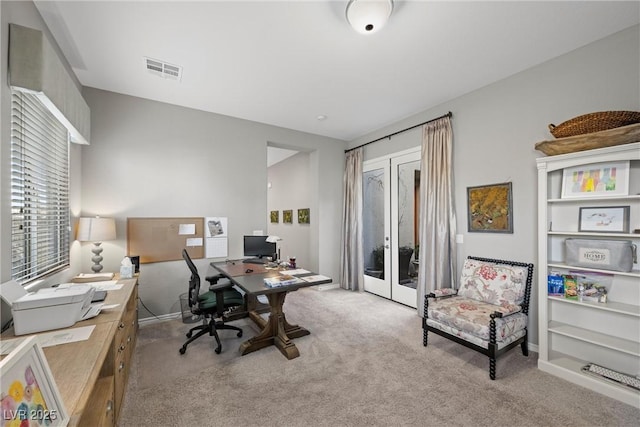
(368, 16)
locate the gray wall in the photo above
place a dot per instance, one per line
(289, 189)
(496, 127)
(150, 159)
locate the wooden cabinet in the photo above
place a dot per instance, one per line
(574, 333)
(92, 375)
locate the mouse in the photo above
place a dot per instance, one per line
(248, 270)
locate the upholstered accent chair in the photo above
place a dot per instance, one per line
(488, 312)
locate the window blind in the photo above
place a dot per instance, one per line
(40, 219)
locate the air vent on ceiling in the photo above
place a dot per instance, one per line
(163, 69)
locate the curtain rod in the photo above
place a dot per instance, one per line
(449, 114)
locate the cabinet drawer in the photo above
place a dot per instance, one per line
(100, 410)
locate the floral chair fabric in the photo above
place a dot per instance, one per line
(473, 317)
(488, 313)
(502, 285)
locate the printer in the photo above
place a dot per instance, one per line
(53, 308)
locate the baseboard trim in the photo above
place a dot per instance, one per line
(327, 286)
(159, 319)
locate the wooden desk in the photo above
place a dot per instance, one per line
(92, 375)
(276, 330)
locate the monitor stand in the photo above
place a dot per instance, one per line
(253, 261)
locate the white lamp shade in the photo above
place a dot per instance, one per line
(96, 229)
(368, 16)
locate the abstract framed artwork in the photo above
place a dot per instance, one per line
(303, 216)
(596, 180)
(287, 217)
(29, 391)
(275, 217)
(604, 219)
(490, 208)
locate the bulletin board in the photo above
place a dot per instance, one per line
(163, 239)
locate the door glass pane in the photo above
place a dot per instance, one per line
(373, 222)
(408, 216)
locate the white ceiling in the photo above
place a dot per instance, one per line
(285, 63)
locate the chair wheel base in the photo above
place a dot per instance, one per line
(239, 334)
(189, 334)
(183, 350)
(218, 350)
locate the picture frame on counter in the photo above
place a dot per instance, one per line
(29, 384)
(604, 219)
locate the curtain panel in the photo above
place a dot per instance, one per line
(351, 257)
(437, 214)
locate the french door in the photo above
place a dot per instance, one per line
(391, 190)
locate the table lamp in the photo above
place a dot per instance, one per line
(96, 230)
(275, 239)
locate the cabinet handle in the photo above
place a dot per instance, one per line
(128, 339)
(121, 366)
(121, 325)
(122, 347)
(109, 405)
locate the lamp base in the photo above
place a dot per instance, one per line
(96, 258)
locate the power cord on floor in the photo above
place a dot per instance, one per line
(146, 308)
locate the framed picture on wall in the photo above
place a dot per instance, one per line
(29, 391)
(287, 217)
(489, 208)
(303, 216)
(275, 217)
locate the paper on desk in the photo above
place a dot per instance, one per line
(109, 306)
(296, 271)
(111, 285)
(315, 278)
(49, 339)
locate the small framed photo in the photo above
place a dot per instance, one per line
(275, 217)
(490, 208)
(29, 391)
(303, 216)
(605, 219)
(287, 216)
(596, 180)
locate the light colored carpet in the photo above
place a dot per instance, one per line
(363, 365)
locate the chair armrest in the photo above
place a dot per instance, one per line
(506, 311)
(443, 293)
(215, 286)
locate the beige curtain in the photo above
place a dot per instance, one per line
(437, 214)
(351, 258)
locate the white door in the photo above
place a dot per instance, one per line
(390, 227)
(376, 231)
(405, 215)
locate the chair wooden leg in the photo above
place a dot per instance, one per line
(492, 368)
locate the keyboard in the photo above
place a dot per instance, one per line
(253, 261)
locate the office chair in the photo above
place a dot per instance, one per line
(211, 304)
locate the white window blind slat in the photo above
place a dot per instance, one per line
(40, 219)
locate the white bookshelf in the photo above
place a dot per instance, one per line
(574, 333)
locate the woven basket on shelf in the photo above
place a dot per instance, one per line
(594, 122)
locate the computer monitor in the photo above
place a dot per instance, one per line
(257, 246)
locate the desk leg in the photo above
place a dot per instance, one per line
(275, 331)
